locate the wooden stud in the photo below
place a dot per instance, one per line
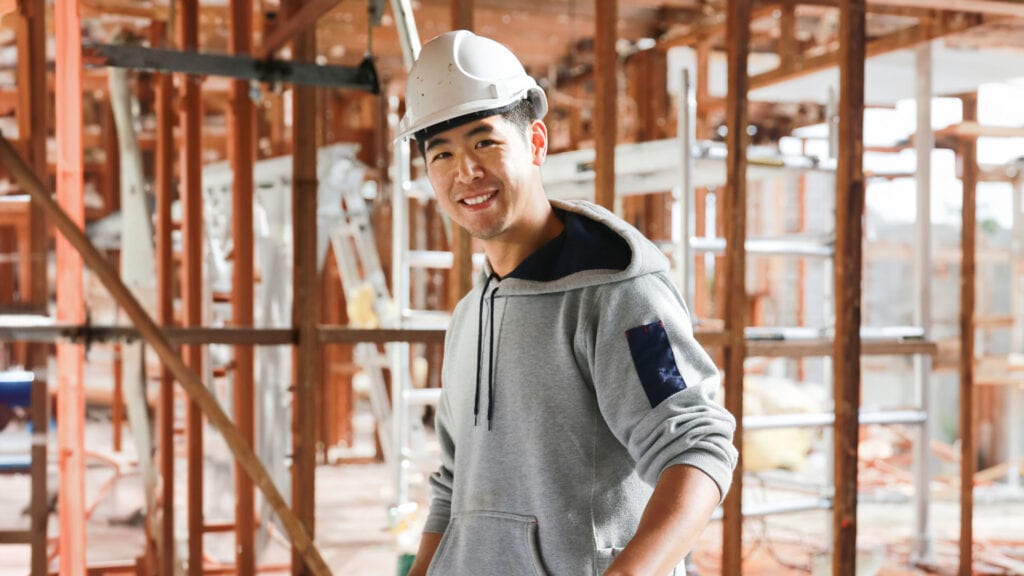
(605, 101)
(32, 111)
(461, 242)
(163, 184)
(190, 160)
(306, 304)
(40, 511)
(848, 265)
(969, 176)
(242, 153)
(297, 23)
(70, 308)
(734, 209)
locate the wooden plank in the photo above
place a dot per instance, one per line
(735, 219)
(848, 271)
(40, 507)
(32, 113)
(297, 23)
(242, 154)
(191, 193)
(994, 7)
(969, 170)
(306, 304)
(461, 279)
(605, 102)
(195, 388)
(163, 185)
(70, 307)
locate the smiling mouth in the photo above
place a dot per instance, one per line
(477, 200)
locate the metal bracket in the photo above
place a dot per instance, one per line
(362, 77)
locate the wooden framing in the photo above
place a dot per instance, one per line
(191, 193)
(163, 186)
(969, 177)
(242, 152)
(306, 304)
(605, 102)
(848, 264)
(197, 391)
(70, 307)
(461, 278)
(734, 212)
(297, 23)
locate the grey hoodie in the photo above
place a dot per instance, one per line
(570, 385)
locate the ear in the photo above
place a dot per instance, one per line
(538, 142)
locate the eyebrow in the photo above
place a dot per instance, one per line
(481, 129)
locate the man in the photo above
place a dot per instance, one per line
(578, 429)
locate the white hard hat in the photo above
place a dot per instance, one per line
(460, 74)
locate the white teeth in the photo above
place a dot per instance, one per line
(477, 200)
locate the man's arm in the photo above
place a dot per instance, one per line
(684, 499)
(428, 546)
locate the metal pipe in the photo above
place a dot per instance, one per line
(767, 509)
(924, 142)
(399, 353)
(685, 217)
(824, 419)
(405, 23)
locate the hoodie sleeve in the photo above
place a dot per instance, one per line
(441, 481)
(655, 385)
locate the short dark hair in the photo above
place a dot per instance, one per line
(520, 114)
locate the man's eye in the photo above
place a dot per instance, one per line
(441, 156)
(485, 143)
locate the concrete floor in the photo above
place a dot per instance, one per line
(354, 534)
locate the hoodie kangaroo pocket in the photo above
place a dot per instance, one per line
(489, 544)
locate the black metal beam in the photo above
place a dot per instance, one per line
(362, 77)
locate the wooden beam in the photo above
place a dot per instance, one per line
(191, 193)
(306, 304)
(299, 22)
(461, 278)
(70, 306)
(994, 7)
(883, 45)
(33, 103)
(105, 273)
(605, 102)
(735, 219)
(848, 271)
(163, 184)
(40, 424)
(242, 153)
(969, 170)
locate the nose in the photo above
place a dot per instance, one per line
(468, 169)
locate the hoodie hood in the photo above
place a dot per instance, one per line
(595, 248)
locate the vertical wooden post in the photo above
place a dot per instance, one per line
(461, 279)
(605, 101)
(70, 309)
(242, 151)
(163, 185)
(969, 177)
(33, 104)
(40, 512)
(306, 304)
(734, 210)
(191, 269)
(849, 238)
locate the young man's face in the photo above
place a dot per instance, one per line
(485, 175)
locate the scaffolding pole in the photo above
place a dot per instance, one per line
(924, 143)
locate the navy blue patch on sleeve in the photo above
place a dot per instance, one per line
(655, 363)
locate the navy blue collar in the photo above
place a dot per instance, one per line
(584, 244)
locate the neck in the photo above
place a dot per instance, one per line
(505, 254)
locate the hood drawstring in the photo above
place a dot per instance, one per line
(479, 348)
(490, 364)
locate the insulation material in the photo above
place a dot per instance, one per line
(785, 448)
